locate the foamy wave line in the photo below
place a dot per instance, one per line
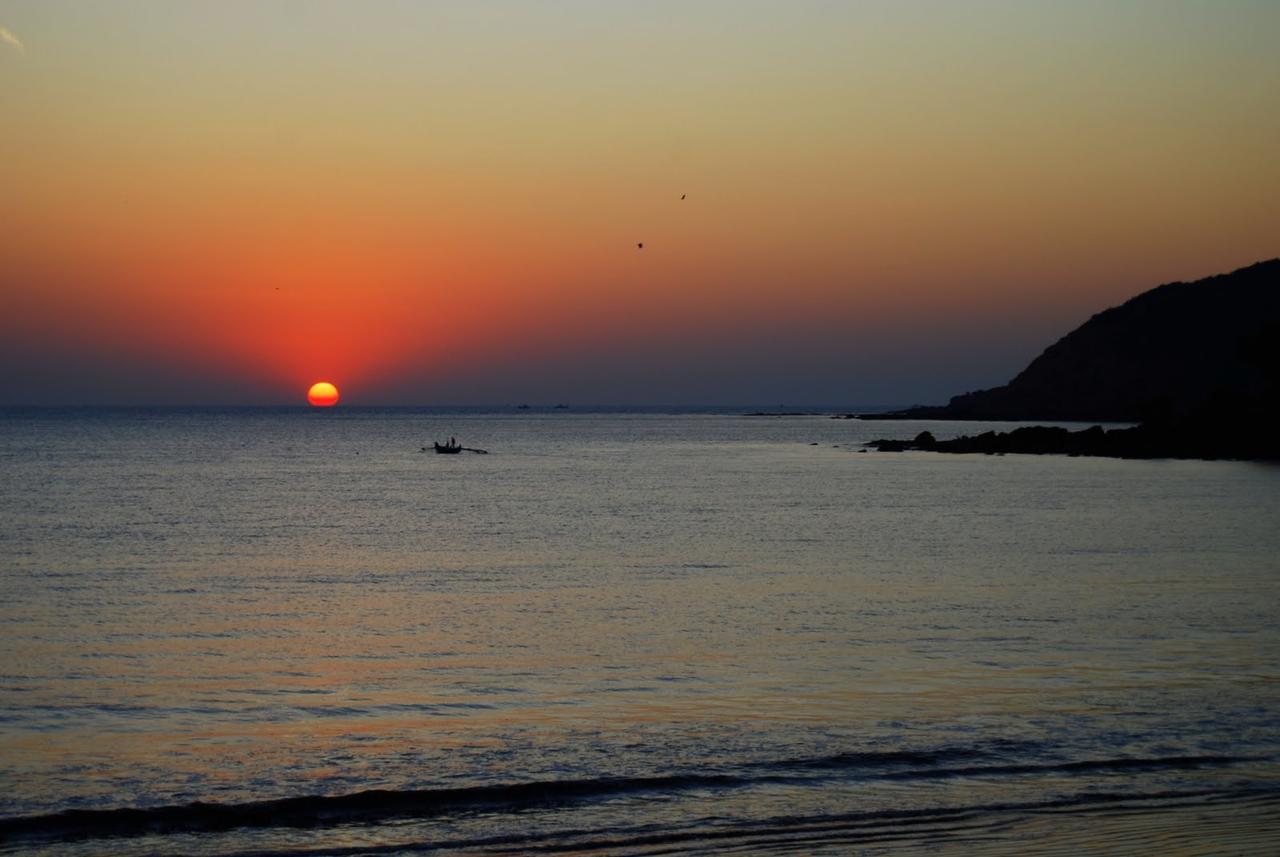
(985, 827)
(383, 804)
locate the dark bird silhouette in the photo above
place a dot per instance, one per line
(682, 196)
(640, 246)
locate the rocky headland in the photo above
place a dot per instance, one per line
(1197, 365)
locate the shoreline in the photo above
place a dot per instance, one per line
(1185, 440)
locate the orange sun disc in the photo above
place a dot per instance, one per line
(323, 394)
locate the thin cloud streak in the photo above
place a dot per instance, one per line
(10, 39)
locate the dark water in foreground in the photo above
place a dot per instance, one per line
(281, 632)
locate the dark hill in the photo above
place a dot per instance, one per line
(1176, 352)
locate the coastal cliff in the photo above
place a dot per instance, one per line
(1196, 364)
(1167, 353)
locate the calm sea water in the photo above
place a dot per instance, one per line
(291, 632)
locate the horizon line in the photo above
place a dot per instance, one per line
(520, 406)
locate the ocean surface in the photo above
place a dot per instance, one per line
(294, 632)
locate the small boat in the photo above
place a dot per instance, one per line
(453, 448)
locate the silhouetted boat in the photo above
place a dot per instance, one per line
(453, 448)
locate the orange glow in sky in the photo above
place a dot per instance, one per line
(440, 203)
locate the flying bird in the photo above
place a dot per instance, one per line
(682, 196)
(640, 246)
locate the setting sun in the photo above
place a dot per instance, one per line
(323, 394)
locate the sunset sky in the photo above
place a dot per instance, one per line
(440, 203)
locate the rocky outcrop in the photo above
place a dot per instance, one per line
(1166, 354)
(1178, 439)
(1198, 364)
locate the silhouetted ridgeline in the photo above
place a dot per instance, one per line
(1198, 363)
(1167, 351)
